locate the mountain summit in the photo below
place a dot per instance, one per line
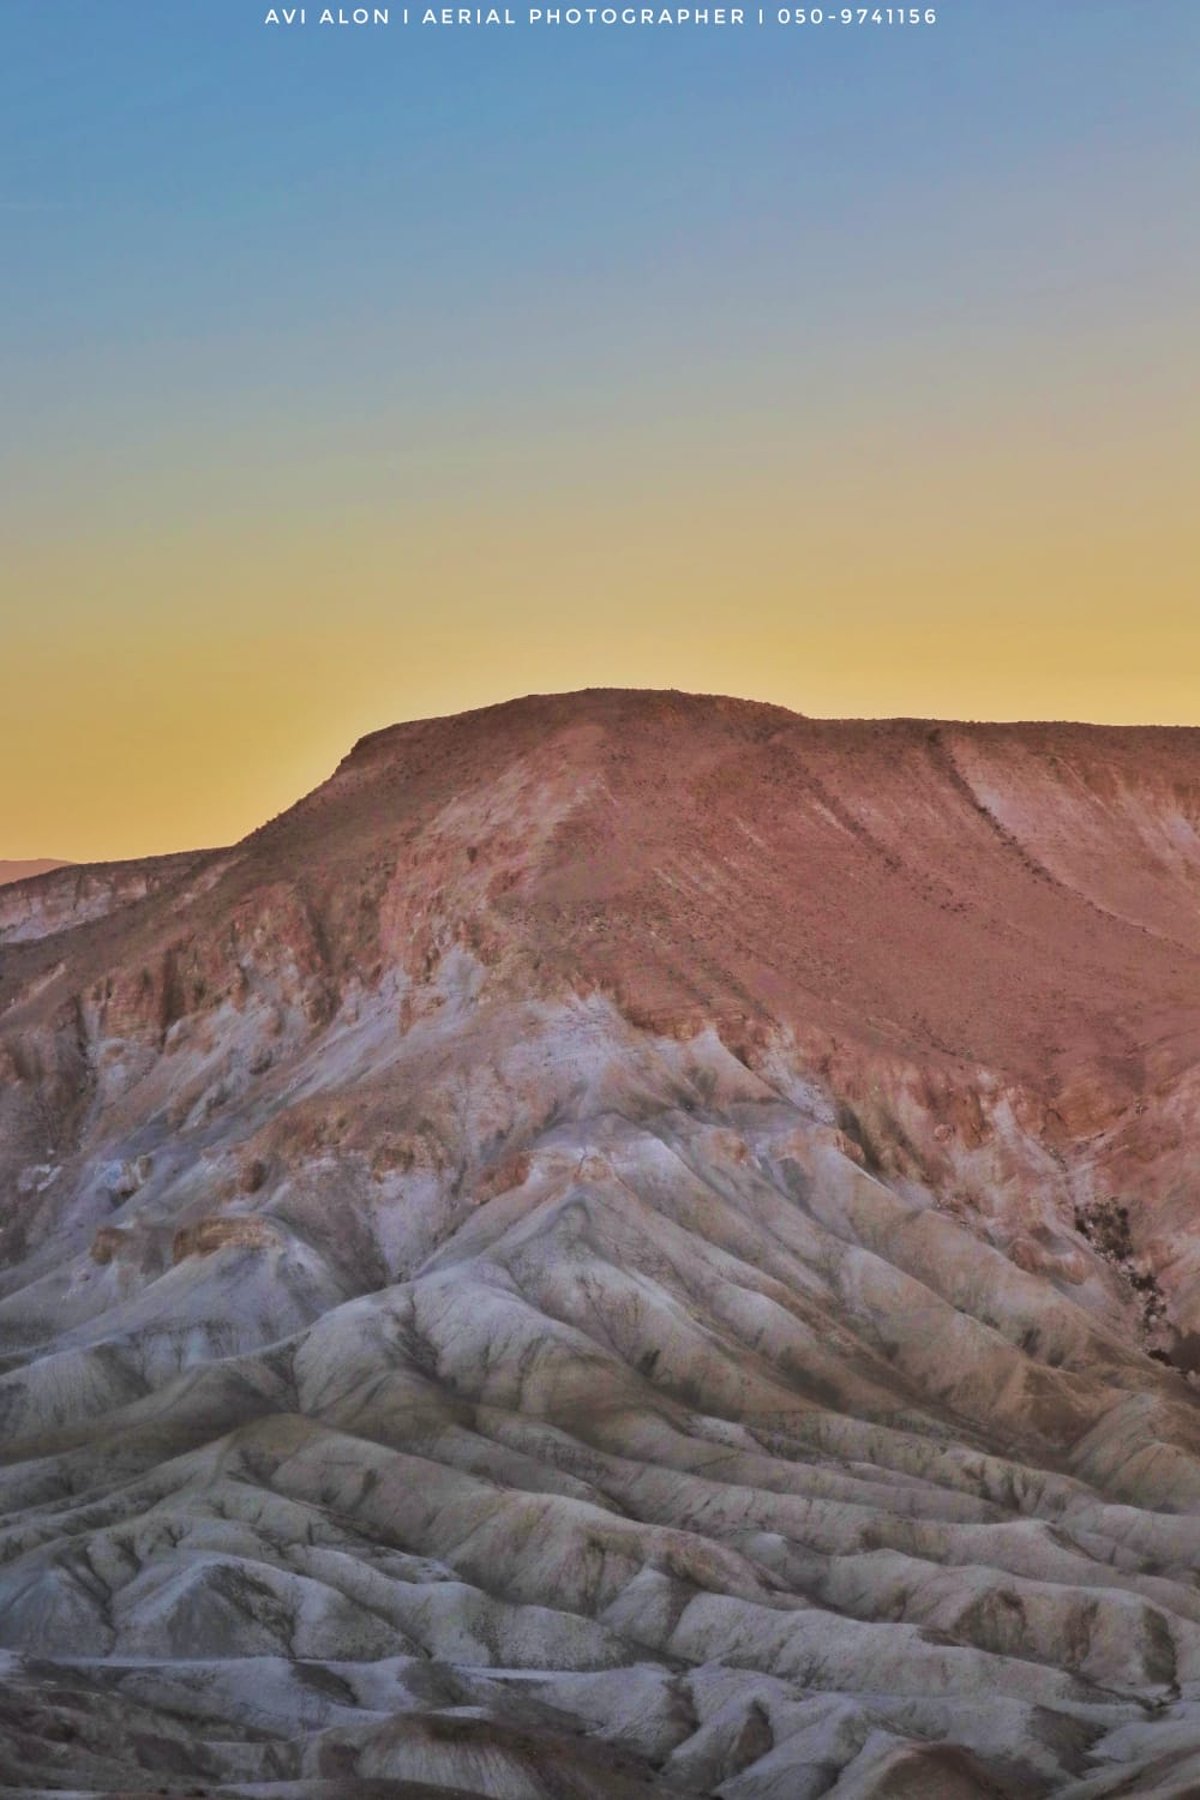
(629, 1244)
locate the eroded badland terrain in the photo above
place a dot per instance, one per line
(629, 1245)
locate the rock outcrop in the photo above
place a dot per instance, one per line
(629, 1244)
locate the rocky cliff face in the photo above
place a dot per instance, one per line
(629, 1244)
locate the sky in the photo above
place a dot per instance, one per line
(350, 375)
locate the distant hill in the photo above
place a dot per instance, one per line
(21, 871)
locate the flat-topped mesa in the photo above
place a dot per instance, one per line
(543, 714)
(1004, 896)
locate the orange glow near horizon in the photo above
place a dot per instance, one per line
(1006, 559)
(201, 718)
(200, 679)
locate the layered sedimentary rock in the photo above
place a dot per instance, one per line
(628, 1245)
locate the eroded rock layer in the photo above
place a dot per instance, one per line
(628, 1245)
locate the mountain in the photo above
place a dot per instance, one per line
(630, 1244)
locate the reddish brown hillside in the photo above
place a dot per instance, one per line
(1022, 896)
